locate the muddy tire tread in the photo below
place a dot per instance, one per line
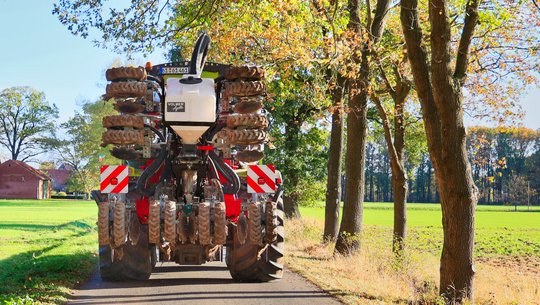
(245, 72)
(122, 137)
(255, 223)
(204, 223)
(245, 262)
(220, 225)
(135, 73)
(136, 262)
(243, 88)
(154, 223)
(169, 230)
(253, 120)
(119, 223)
(103, 223)
(249, 156)
(126, 89)
(131, 121)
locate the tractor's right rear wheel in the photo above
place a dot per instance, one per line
(249, 263)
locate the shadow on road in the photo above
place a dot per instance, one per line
(201, 285)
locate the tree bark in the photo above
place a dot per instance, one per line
(355, 158)
(291, 197)
(333, 183)
(351, 223)
(396, 151)
(290, 204)
(400, 181)
(440, 94)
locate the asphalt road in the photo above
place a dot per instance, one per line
(206, 284)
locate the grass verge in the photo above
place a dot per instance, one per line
(46, 248)
(507, 260)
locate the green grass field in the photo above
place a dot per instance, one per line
(429, 214)
(499, 230)
(46, 247)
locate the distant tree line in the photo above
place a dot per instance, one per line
(505, 166)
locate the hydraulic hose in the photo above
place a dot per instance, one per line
(234, 181)
(156, 131)
(214, 173)
(151, 171)
(153, 168)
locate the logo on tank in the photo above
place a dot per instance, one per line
(176, 107)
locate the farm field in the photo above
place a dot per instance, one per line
(46, 247)
(507, 256)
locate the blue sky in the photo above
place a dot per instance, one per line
(37, 51)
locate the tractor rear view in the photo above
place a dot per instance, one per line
(191, 188)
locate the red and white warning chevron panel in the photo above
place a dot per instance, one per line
(261, 179)
(114, 179)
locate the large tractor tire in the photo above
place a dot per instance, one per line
(154, 233)
(248, 107)
(253, 120)
(220, 224)
(129, 107)
(242, 88)
(126, 89)
(135, 262)
(204, 223)
(112, 121)
(122, 137)
(126, 153)
(243, 136)
(245, 72)
(104, 237)
(169, 228)
(249, 156)
(247, 263)
(122, 73)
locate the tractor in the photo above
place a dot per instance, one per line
(191, 188)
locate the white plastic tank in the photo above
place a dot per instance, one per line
(190, 107)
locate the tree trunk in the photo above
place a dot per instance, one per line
(371, 182)
(351, 223)
(399, 173)
(458, 200)
(396, 151)
(400, 185)
(439, 91)
(290, 204)
(291, 197)
(429, 192)
(333, 183)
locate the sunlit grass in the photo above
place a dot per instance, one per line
(373, 277)
(507, 254)
(46, 247)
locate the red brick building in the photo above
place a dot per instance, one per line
(19, 180)
(59, 178)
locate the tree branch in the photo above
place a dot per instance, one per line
(418, 59)
(471, 19)
(536, 4)
(387, 132)
(379, 19)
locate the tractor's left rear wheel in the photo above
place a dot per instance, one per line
(127, 262)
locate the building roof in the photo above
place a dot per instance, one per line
(60, 176)
(27, 167)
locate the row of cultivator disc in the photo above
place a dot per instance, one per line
(134, 96)
(243, 95)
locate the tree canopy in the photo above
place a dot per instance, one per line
(26, 121)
